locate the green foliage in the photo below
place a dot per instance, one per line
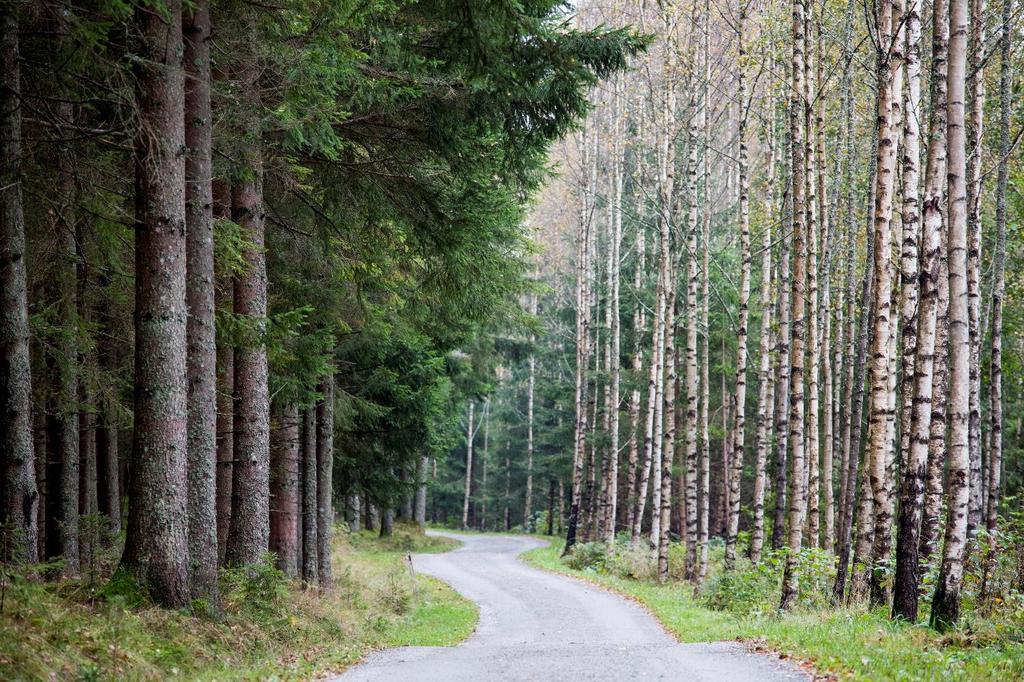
(123, 591)
(259, 590)
(754, 588)
(588, 556)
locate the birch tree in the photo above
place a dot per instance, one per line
(905, 591)
(946, 600)
(798, 94)
(739, 426)
(877, 454)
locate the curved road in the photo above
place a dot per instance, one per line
(536, 625)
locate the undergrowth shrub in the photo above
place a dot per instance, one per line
(633, 561)
(589, 556)
(753, 589)
(259, 590)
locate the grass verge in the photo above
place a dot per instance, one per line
(270, 628)
(844, 643)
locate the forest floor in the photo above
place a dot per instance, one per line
(269, 628)
(836, 643)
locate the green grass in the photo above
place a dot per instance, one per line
(848, 643)
(270, 628)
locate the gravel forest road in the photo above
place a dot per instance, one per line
(536, 625)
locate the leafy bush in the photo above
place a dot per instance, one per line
(589, 556)
(634, 561)
(753, 589)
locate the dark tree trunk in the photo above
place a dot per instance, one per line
(156, 549)
(387, 523)
(63, 436)
(202, 342)
(89, 534)
(856, 428)
(372, 516)
(225, 301)
(108, 497)
(421, 492)
(284, 490)
(551, 507)
(325, 487)
(87, 466)
(108, 465)
(18, 494)
(355, 518)
(781, 417)
(309, 476)
(249, 536)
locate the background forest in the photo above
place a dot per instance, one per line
(781, 313)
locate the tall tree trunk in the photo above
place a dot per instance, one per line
(325, 479)
(765, 396)
(508, 487)
(420, 504)
(284, 490)
(156, 547)
(946, 600)
(652, 395)
(917, 396)
(782, 381)
(612, 485)
(995, 454)
(483, 464)
(909, 291)
(633, 498)
(850, 232)
(668, 435)
(705, 382)
(225, 302)
(201, 332)
(532, 364)
(696, 525)
(467, 487)
(813, 433)
(739, 426)
(108, 482)
(250, 495)
(976, 51)
(310, 564)
(355, 505)
(934, 219)
(551, 507)
(877, 453)
(582, 347)
(856, 496)
(63, 428)
(796, 351)
(90, 534)
(825, 246)
(19, 497)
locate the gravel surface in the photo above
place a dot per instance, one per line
(536, 625)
